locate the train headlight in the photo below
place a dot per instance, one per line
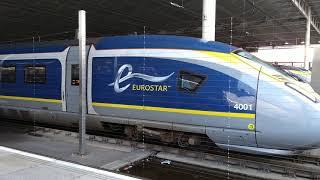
(302, 91)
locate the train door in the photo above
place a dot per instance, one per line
(236, 125)
(72, 80)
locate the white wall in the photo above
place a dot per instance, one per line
(284, 53)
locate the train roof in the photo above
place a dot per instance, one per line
(162, 42)
(123, 42)
(37, 47)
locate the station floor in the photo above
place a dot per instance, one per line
(19, 165)
(27, 157)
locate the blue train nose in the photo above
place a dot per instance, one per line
(287, 118)
(313, 126)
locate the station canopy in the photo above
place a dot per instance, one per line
(245, 23)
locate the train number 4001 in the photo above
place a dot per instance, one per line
(243, 107)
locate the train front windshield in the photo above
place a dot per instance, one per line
(302, 90)
(251, 57)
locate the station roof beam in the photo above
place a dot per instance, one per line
(304, 8)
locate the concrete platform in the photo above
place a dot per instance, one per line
(108, 156)
(19, 165)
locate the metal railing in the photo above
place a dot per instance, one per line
(295, 64)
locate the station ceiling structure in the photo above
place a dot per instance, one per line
(245, 23)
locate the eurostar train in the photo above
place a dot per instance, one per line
(299, 74)
(158, 84)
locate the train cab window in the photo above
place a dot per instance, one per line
(189, 82)
(75, 81)
(8, 74)
(35, 74)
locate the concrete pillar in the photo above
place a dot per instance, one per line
(307, 41)
(315, 76)
(209, 20)
(83, 85)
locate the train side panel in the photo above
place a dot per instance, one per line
(27, 90)
(34, 80)
(174, 91)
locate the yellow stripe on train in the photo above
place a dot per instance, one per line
(234, 59)
(31, 99)
(173, 110)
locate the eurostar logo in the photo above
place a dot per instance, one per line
(119, 79)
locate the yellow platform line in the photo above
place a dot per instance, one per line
(173, 110)
(31, 99)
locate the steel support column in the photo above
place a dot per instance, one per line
(209, 20)
(83, 80)
(307, 41)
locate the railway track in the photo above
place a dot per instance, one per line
(154, 166)
(298, 166)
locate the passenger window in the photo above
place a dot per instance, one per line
(8, 74)
(75, 81)
(190, 82)
(35, 74)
